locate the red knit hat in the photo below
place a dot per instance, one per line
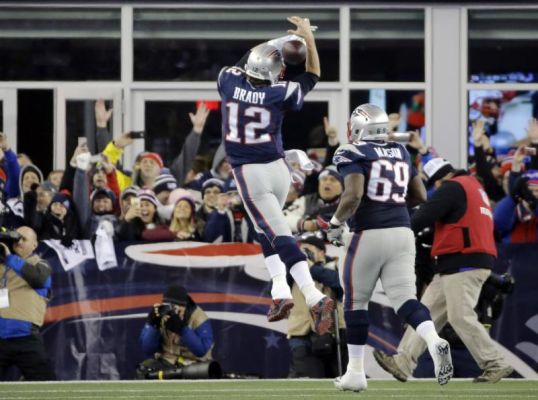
(155, 157)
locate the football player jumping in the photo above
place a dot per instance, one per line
(253, 106)
(380, 183)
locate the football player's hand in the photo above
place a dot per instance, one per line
(334, 234)
(303, 27)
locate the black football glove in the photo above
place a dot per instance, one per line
(174, 323)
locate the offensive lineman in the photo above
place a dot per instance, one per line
(382, 244)
(253, 106)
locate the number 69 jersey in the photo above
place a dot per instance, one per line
(252, 116)
(387, 171)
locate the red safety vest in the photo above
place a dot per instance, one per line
(473, 233)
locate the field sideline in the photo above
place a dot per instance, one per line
(266, 389)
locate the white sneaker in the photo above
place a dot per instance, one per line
(355, 381)
(442, 361)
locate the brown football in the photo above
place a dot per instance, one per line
(294, 52)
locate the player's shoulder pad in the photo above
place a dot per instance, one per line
(348, 153)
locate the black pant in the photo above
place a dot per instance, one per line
(28, 354)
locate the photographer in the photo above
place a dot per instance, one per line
(313, 355)
(176, 336)
(25, 291)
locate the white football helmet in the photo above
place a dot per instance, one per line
(368, 122)
(265, 63)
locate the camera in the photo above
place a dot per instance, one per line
(165, 309)
(8, 238)
(504, 283)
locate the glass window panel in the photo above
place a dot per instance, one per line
(60, 44)
(35, 126)
(506, 114)
(80, 121)
(410, 104)
(501, 45)
(387, 45)
(186, 45)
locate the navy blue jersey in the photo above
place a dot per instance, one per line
(387, 170)
(252, 116)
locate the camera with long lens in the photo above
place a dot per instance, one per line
(165, 309)
(8, 238)
(202, 370)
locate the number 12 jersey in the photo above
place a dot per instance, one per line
(252, 116)
(387, 171)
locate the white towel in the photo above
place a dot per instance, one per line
(105, 255)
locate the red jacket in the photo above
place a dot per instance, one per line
(472, 233)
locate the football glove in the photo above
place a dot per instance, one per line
(334, 234)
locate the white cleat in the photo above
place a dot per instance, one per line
(442, 361)
(354, 381)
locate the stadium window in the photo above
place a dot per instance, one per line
(506, 114)
(502, 44)
(77, 44)
(387, 45)
(193, 45)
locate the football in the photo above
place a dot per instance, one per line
(294, 52)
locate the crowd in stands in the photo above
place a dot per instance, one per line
(154, 202)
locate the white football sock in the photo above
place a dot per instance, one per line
(277, 272)
(356, 357)
(426, 330)
(301, 275)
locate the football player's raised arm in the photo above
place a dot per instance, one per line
(351, 198)
(312, 64)
(416, 192)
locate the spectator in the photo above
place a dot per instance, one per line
(229, 222)
(37, 202)
(516, 215)
(183, 224)
(222, 170)
(59, 222)
(486, 166)
(55, 177)
(210, 194)
(323, 203)
(177, 334)
(164, 184)
(314, 355)
(126, 198)
(27, 278)
(180, 165)
(142, 222)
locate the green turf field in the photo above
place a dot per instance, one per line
(267, 389)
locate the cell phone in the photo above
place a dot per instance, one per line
(530, 151)
(210, 104)
(135, 202)
(81, 140)
(137, 134)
